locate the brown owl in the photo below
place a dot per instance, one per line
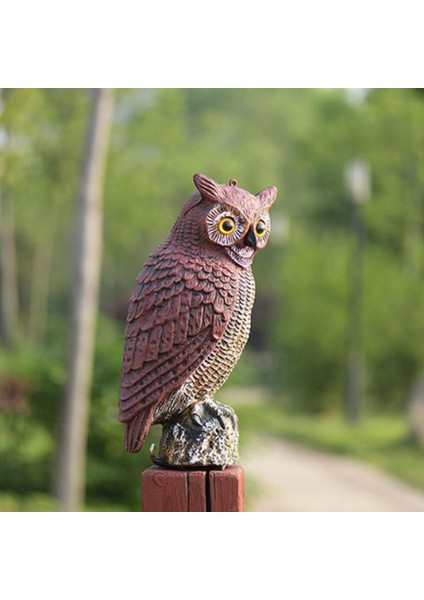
(189, 314)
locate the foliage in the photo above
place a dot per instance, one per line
(299, 140)
(381, 440)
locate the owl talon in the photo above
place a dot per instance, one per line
(221, 420)
(196, 419)
(221, 412)
(152, 452)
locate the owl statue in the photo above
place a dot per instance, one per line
(188, 322)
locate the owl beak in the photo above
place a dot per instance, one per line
(250, 238)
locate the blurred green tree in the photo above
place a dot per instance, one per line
(84, 305)
(299, 140)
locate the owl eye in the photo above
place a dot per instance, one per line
(227, 226)
(260, 228)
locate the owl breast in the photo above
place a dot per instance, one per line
(212, 373)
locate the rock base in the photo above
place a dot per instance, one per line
(204, 435)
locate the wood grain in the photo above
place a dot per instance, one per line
(197, 501)
(164, 490)
(227, 490)
(169, 490)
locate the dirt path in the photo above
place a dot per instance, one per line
(293, 478)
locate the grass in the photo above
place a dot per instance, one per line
(40, 502)
(380, 440)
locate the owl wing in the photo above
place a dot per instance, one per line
(178, 312)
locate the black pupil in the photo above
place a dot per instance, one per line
(227, 225)
(260, 227)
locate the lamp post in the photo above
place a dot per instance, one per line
(358, 185)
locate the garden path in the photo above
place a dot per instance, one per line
(290, 477)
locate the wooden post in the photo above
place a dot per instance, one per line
(169, 490)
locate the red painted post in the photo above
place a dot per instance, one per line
(226, 490)
(197, 495)
(163, 491)
(170, 490)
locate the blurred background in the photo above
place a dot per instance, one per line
(336, 355)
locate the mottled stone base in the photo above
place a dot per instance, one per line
(204, 435)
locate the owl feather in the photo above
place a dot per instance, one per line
(176, 316)
(184, 300)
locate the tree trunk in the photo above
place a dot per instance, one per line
(84, 302)
(8, 273)
(40, 286)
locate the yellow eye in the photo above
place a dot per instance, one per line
(260, 228)
(227, 226)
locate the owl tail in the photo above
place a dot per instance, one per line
(137, 429)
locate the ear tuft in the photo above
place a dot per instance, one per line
(267, 196)
(208, 187)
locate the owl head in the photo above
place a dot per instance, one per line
(236, 220)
